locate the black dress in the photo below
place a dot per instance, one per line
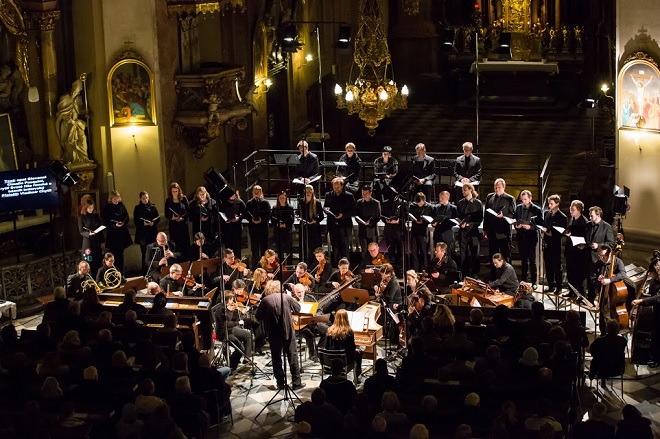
(310, 235)
(117, 238)
(179, 232)
(86, 223)
(204, 219)
(145, 235)
(282, 215)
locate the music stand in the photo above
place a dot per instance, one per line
(355, 296)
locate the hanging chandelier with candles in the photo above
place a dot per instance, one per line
(373, 94)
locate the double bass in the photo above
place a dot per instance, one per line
(614, 296)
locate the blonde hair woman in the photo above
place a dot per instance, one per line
(269, 262)
(340, 337)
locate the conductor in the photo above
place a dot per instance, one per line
(275, 313)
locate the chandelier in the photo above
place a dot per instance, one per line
(373, 94)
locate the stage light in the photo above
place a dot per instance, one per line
(290, 43)
(448, 41)
(343, 37)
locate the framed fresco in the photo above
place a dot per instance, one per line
(80, 196)
(638, 89)
(131, 92)
(8, 158)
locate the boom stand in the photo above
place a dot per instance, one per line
(288, 393)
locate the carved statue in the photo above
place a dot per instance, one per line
(70, 127)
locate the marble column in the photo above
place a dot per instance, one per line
(33, 111)
(47, 22)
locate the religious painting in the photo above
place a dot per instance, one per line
(131, 92)
(639, 93)
(8, 158)
(79, 199)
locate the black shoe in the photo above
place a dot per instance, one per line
(245, 361)
(653, 364)
(299, 386)
(259, 353)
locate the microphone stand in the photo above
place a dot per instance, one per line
(146, 275)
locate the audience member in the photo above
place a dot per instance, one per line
(608, 353)
(542, 416)
(161, 425)
(474, 415)
(129, 426)
(339, 391)
(633, 425)
(187, 409)
(54, 311)
(324, 418)
(595, 426)
(379, 383)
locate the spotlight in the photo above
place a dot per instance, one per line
(343, 37)
(63, 175)
(290, 43)
(504, 48)
(448, 41)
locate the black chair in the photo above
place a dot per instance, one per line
(216, 408)
(326, 356)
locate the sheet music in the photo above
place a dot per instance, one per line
(427, 218)
(577, 240)
(459, 184)
(559, 229)
(306, 307)
(357, 321)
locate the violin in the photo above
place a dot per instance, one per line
(305, 280)
(346, 276)
(276, 264)
(319, 269)
(381, 287)
(380, 259)
(239, 265)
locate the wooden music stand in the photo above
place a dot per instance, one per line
(355, 295)
(210, 266)
(166, 269)
(369, 280)
(134, 283)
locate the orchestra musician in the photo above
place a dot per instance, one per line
(172, 284)
(270, 262)
(281, 218)
(74, 282)
(374, 258)
(146, 219)
(200, 249)
(386, 168)
(578, 257)
(337, 279)
(496, 228)
(470, 213)
(423, 171)
(257, 212)
(340, 336)
(506, 280)
(230, 323)
(92, 242)
(232, 228)
(600, 281)
(419, 231)
(301, 276)
(368, 211)
(238, 288)
(257, 284)
(389, 293)
(160, 254)
(322, 270)
(280, 336)
(467, 169)
(599, 232)
(232, 269)
(419, 298)
(311, 215)
(552, 218)
(351, 172)
(527, 235)
(340, 207)
(300, 294)
(442, 269)
(153, 288)
(307, 168)
(118, 238)
(203, 214)
(443, 225)
(108, 263)
(177, 212)
(654, 301)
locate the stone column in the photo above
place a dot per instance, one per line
(48, 95)
(33, 111)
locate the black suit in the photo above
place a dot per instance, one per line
(552, 248)
(444, 232)
(419, 235)
(528, 239)
(74, 286)
(258, 208)
(423, 168)
(468, 168)
(577, 260)
(498, 229)
(600, 234)
(470, 212)
(154, 254)
(278, 324)
(339, 229)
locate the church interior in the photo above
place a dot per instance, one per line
(557, 97)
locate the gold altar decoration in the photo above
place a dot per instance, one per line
(12, 19)
(373, 94)
(179, 8)
(517, 15)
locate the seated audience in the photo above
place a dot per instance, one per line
(379, 383)
(339, 391)
(633, 424)
(542, 416)
(324, 418)
(129, 426)
(595, 426)
(608, 353)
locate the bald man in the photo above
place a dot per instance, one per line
(160, 254)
